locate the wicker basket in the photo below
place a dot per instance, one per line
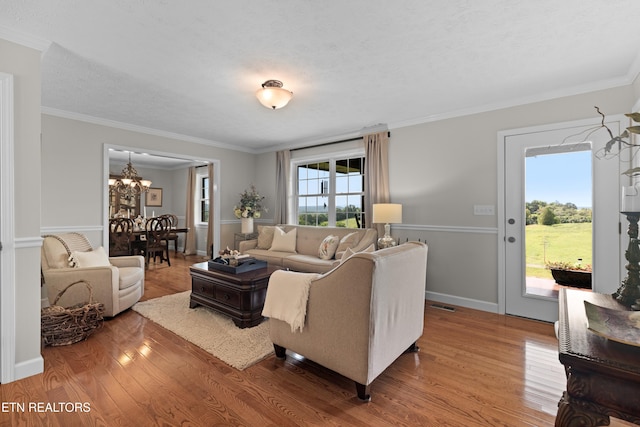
(63, 326)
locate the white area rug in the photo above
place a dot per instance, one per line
(213, 332)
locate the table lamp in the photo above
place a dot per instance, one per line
(387, 213)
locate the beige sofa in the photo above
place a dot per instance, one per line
(118, 285)
(308, 240)
(362, 315)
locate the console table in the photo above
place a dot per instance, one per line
(239, 296)
(603, 376)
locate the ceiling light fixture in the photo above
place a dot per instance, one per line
(272, 95)
(129, 184)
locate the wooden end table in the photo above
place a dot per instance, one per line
(239, 296)
(603, 376)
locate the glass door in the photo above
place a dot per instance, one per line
(561, 208)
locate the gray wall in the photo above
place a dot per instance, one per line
(439, 170)
(74, 149)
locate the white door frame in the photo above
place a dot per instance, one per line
(7, 233)
(216, 188)
(502, 137)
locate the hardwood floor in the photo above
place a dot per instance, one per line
(474, 369)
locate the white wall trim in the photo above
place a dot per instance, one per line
(7, 233)
(29, 368)
(462, 302)
(71, 229)
(24, 39)
(510, 103)
(445, 228)
(141, 129)
(28, 242)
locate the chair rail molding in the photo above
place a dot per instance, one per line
(445, 228)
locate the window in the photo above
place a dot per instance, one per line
(202, 199)
(331, 192)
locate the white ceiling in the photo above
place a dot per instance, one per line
(192, 68)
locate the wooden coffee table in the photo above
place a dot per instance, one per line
(239, 296)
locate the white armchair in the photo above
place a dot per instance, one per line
(118, 286)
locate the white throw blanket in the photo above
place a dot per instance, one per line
(287, 297)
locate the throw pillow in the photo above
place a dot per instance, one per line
(328, 247)
(95, 258)
(284, 242)
(348, 241)
(265, 236)
(349, 252)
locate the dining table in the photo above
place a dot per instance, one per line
(140, 238)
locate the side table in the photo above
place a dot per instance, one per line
(603, 376)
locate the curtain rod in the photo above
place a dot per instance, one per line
(332, 142)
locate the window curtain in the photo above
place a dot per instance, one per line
(190, 220)
(283, 161)
(211, 210)
(376, 186)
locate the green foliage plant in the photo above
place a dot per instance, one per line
(563, 265)
(547, 217)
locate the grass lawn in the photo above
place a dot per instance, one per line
(558, 242)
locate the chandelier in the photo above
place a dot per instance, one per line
(273, 95)
(129, 184)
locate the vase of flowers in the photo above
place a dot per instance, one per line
(250, 207)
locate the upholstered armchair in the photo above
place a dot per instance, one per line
(360, 316)
(117, 282)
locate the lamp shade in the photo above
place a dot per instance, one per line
(272, 95)
(387, 213)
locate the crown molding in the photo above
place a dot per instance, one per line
(140, 129)
(515, 102)
(24, 39)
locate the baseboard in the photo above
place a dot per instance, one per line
(462, 302)
(28, 368)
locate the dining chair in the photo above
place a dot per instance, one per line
(157, 232)
(120, 237)
(173, 236)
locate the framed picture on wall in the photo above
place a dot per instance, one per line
(154, 197)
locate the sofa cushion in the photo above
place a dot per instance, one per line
(284, 241)
(308, 264)
(265, 236)
(348, 241)
(328, 247)
(272, 257)
(96, 258)
(349, 252)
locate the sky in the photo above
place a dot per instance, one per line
(564, 177)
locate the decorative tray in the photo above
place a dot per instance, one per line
(244, 265)
(618, 325)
